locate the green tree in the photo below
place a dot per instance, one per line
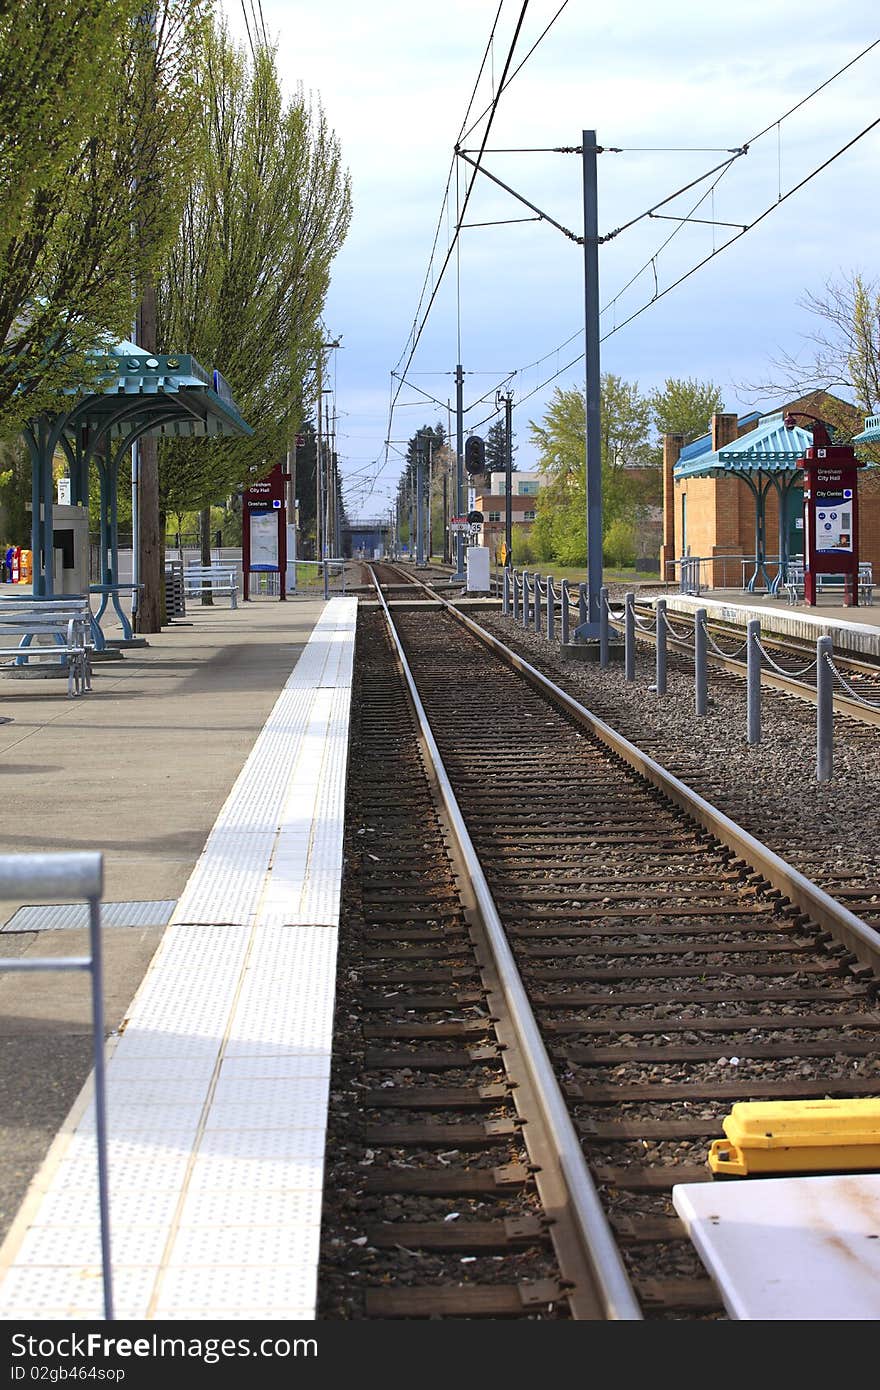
(245, 284)
(496, 458)
(685, 406)
(560, 439)
(93, 99)
(433, 439)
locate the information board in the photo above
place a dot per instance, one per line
(264, 540)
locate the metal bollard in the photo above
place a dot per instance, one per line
(564, 602)
(582, 604)
(525, 612)
(326, 579)
(629, 638)
(660, 678)
(753, 682)
(551, 609)
(505, 601)
(824, 710)
(700, 662)
(537, 603)
(603, 627)
(515, 597)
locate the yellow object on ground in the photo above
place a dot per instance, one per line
(798, 1136)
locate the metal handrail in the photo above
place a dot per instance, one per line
(81, 876)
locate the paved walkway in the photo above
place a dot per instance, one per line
(140, 770)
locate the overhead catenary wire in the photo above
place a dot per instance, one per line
(661, 293)
(463, 133)
(722, 169)
(460, 212)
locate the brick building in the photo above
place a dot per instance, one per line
(491, 502)
(714, 517)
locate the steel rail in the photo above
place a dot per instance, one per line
(831, 915)
(600, 1249)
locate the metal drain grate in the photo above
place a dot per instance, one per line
(57, 916)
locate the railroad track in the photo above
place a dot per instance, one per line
(672, 967)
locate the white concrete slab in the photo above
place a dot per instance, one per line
(797, 1249)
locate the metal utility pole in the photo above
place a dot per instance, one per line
(459, 476)
(319, 466)
(593, 396)
(430, 494)
(322, 518)
(328, 499)
(446, 546)
(420, 501)
(507, 398)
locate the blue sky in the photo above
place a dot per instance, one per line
(674, 84)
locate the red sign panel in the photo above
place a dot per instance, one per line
(268, 490)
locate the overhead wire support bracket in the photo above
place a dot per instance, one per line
(413, 387)
(609, 236)
(703, 221)
(542, 216)
(502, 222)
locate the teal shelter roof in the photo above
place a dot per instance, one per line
(771, 447)
(170, 390)
(871, 433)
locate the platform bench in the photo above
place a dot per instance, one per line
(66, 623)
(212, 579)
(828, 583)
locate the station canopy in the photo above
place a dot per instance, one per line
(871, 433)
(136, 393)
(765, 457)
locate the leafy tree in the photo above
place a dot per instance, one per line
(685, 406)
(245, 284)
(619, 543)
(844, 346)
(93, 101)
(560, 527)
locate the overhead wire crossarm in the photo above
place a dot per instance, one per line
(542, 216)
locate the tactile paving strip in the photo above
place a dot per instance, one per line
(217, 1087)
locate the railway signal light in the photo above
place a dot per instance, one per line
(475, 454)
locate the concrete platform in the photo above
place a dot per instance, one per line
(757, 1238)
(218, 1072)
(855, 631)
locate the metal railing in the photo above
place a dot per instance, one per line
(80, 876)
(535, 603)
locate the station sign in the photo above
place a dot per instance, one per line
(831, 518)
(264, 528)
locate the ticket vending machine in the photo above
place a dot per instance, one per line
(70, 544)
(831, 515)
